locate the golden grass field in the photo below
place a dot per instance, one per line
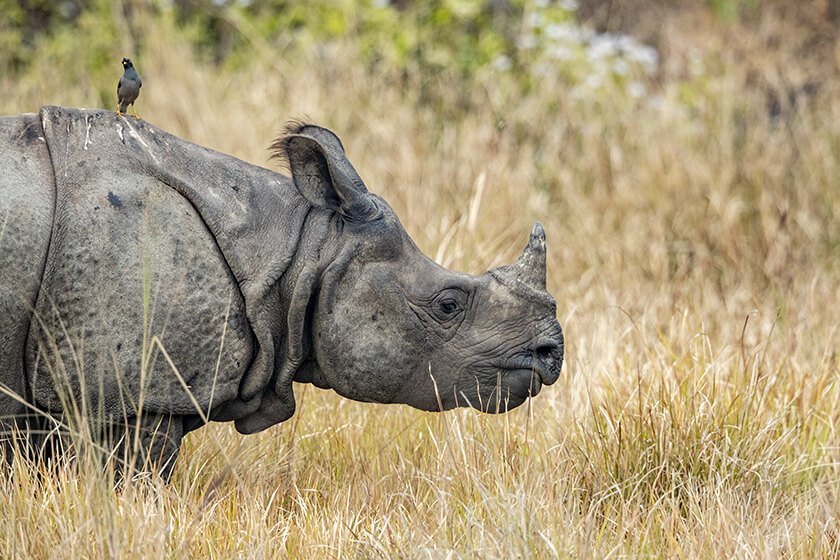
(695, 258)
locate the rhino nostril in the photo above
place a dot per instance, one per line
(544, 349)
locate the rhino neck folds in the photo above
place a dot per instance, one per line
(319, 251)
(292, 324)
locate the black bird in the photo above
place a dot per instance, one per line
(128, 89)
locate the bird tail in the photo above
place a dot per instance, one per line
(123, 107)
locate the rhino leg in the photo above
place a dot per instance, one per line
(23, 435)
(148, 445)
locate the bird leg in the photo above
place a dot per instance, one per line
(134, 112)
(118, 109)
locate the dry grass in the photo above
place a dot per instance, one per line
(695, 257)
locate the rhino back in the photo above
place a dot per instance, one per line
(26, 210)
(132, 263)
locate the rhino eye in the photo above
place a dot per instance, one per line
(442, 312)
(448, 306)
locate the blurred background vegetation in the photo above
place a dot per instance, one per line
(457, 42)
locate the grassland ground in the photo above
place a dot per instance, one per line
(694, 252)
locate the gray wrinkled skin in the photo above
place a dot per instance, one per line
(148, 281)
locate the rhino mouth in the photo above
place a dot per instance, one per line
(517, 377)
(523, 376)
(542, 363)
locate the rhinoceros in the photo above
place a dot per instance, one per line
(148, 281)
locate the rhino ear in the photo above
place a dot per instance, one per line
(323, 174)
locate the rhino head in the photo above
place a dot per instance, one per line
(389, 325)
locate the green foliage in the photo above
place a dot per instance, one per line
(435, 47)
(11, 34)
(730, 10)
(452, 38)
(464, 35)
(83, 38)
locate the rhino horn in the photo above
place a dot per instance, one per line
(530, 268)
